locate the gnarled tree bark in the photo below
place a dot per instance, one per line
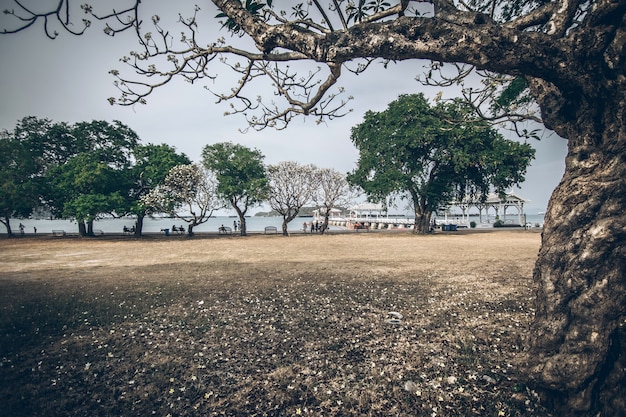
(576, 351)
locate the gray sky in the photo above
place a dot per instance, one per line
(67, 80)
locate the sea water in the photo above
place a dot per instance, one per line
(154, 225)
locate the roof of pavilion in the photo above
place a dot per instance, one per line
(492, 198)
(367, 207)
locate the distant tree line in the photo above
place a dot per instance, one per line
(81, 171)
(91, 170)
(425, 154)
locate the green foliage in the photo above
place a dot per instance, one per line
(26, 155)
(85, 187)
(253, 6)
(18, 186)
(240, 175)
(513, 95)
(357, 11)
(239, 170)
(431, 155)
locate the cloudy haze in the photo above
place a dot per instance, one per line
(67, 80)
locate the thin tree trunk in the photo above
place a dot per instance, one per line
(7, 224)
(576, 351)
(242, 219)
(139, 225)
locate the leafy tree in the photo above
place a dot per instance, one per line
(111, 143)
(91, 177)
(240, 176)
(49, 143)
(188, 192)
(566, 57)
(151, 167)
(18, 187)
(431, 155)
(291, 186)
(85, 188)
(26, 155)
(332, 191)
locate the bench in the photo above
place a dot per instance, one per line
(58, 233)
(179, 230)
(225, 230)
(271, 229)
(98, 232)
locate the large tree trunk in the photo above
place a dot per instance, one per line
(90, 227)
(422, 223)
(575, 356)
(82, 229)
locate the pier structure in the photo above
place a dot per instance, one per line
(483, 213)
(370, 216)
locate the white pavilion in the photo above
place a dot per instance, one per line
(492, 209)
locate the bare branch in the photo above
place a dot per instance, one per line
(367, 33)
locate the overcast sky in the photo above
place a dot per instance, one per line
(67, 80)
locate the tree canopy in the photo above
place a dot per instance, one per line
(432, 155)
(19, 189)
(93, 180)
(240, 174)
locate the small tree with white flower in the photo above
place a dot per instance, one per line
(333, 190)
(187, 193)
(291, 186)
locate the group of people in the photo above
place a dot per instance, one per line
(129, 229)
(180, 229)
(315, 227)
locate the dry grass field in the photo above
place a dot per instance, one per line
(267, 325)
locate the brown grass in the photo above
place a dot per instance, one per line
(267, 325)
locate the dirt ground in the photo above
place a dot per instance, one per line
(367, 324)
